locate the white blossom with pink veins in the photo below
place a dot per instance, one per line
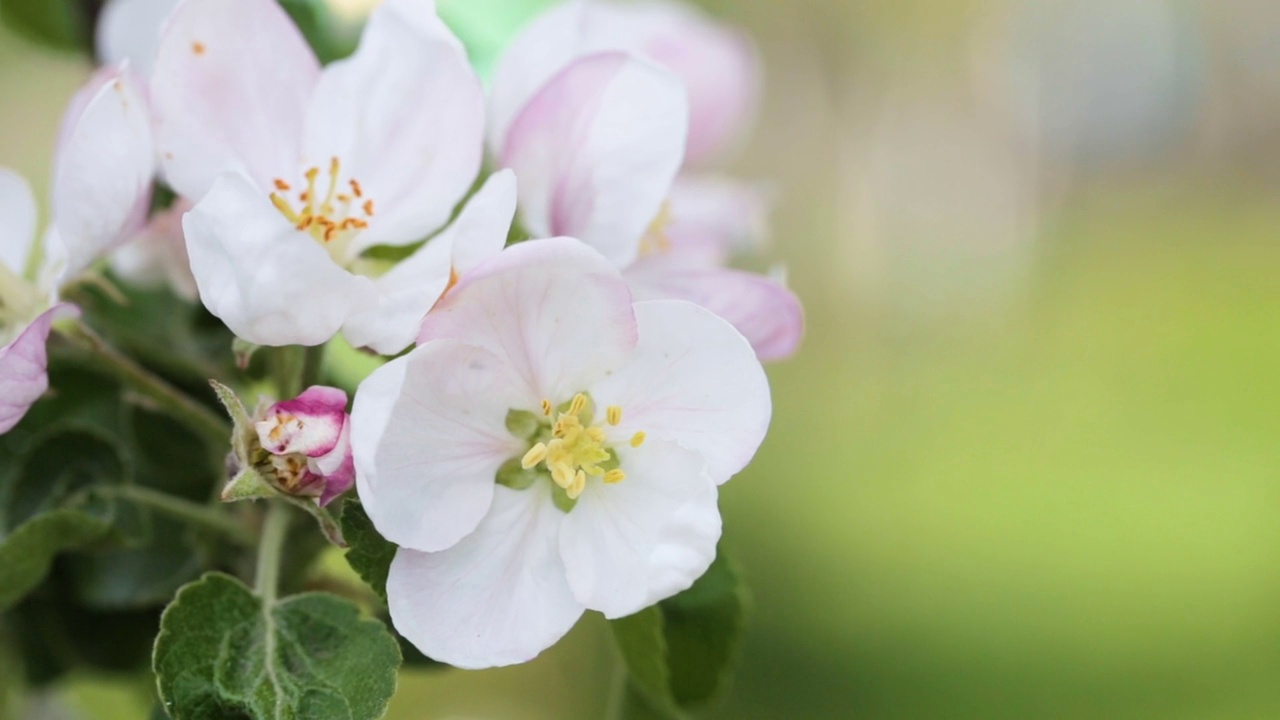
(597, 133)
(550, 447)
(101, 189)
(130, 30)
(296, 171)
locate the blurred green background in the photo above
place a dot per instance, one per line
(1027, 464)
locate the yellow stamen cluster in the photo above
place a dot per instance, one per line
(335, 217)
(576, 450)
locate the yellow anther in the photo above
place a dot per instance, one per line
(577, 486)
(578, 404)
(321, 217)
(284, 207)
(614, 476)
(638, 439)
(536, 454)
(613, 414)
(546, 408)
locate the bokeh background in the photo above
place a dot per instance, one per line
(1028, 463)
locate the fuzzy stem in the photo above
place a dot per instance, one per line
(166, 397)
(270, 549)
(176, 507)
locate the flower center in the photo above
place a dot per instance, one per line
(577, 448)
(333, 215)
(656, 239)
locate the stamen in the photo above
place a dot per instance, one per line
(368, 207)
(578, 405)
(638, 439)
(614, 476)
(613, 414)
(283, 206)
(355, 187)
(282, 186)
(536, 454)
(577, 486)
(546, 408)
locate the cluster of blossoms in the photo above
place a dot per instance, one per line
(578, 367)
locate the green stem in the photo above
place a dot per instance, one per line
(166, 397)
(176, 507)
(286, 364)
(270, 550)
(312, 364)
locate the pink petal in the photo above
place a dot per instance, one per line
(104, 168)
(596, 152)
(497, 598)
(309, 424)
(555, 310)
(714, 217)
(130, 30)
(23, 362)
(768, 314)
(405, 115)
(230, 90)
(429, 435)
(18, 232)
(338, 467)
(629, 545)
(270, 283)
(693, 381)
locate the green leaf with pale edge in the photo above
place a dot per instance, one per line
(222, 653)
(682, 652)
(369, 554)
(27, 552)
(52, 22)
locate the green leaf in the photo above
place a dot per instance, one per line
(224, 652)
(636, 705)
(27, 552)
(681, 652)
(368, 553)
(137, 577)
(52, 22)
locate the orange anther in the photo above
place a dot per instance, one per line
(368, 207)
(355, 187)
(281, 185)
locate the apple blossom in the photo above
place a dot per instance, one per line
(296, 171)
(102, 183)
(597, 138)
(130, 30)
(550, 447)
(307, 440)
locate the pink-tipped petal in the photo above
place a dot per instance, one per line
(429, 435)
(596, 152)
(631, 544)
(765, 311)
(102, 178)
(499, 597)
(23, 363)
(230, 90)
(413, 286)
(309, 424)
(270, 283)
(18, 232)
(405, 116)
(555, 310)
(338, 468)
(694, 381)
(130, 30)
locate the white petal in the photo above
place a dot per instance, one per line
(102, 182)
(628, 545)
(158, 255)
(596, 151)
(271, 284)
(230, 91)
(23, 363)
(543, 48)
(768, 314)
(497, 598)
(555, 310)
(405, 115)
(429, 434)
(715, 217)
(130, 30)
(412, 287)
(18, 232)
(694, 381)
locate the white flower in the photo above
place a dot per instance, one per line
(296, 171)
(101, 189)
(130, 30)
(549, 448)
